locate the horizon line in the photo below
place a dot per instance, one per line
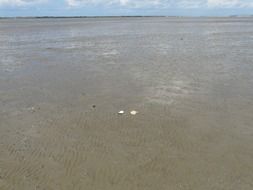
(121, 16)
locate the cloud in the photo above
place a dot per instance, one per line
(20, 2)
(137, 4)
(163, 3)
(230, 3)
(191, 3)
(121, 3)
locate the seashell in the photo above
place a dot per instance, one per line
(133, 112)
(121, 112)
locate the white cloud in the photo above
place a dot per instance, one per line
(121, 3)
(140, 3)
(163, 3)
(20, 2)
(230, 3)
(191, 3)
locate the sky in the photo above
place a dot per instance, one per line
(12, 8)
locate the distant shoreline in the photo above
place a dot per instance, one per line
(48, 17)
(136, 16)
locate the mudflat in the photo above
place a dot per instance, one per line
(63, 82)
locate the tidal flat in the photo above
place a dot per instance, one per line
(63, 82)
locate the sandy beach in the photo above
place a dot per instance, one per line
(63, 82)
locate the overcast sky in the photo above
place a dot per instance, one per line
(125, 7)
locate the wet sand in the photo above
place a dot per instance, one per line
(191, 80)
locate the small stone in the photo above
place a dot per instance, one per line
(94, 106)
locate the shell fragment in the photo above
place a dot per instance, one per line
(121, 112)
(133, 112)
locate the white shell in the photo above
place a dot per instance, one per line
(133, 112)
(121, 112)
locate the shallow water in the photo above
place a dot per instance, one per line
(191, 80)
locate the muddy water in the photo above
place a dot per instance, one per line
(191, 80)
